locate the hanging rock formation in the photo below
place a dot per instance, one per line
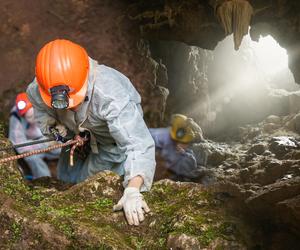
(196, 22)
(235, 17)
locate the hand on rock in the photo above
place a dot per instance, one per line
(134, 206)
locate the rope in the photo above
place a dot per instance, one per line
(27, 144)
(76, 142)
(80, 142)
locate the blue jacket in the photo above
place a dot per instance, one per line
(181, 163)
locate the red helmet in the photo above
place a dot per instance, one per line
(22, 103)
(62, 69)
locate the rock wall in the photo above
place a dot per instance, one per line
(99, 26)
(204, 24)
(187, 79)
(111, 32)
(201, 23)
(261, 178)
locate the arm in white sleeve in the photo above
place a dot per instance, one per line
(131, 134)
(44, 116)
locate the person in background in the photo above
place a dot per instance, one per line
(23, 128)
(173, 146)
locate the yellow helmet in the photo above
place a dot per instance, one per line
(184, 129)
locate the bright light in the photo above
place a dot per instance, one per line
(21, 105)
(241, 81)
(271, 58)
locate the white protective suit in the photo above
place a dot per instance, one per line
(111, 112)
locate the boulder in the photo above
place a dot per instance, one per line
(273, 119)
(270, 127)
(281, 145)
(81, 217)
(297, 123)
(183, 242)
(279, 201)
(294, 102)
(258, 149)
(289, 212)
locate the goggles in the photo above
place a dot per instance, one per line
(21, 105)
(60, 97)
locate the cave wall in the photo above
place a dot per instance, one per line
(200, 23)
(192, 22)
(99, 26)
(195, 23)
(187, 79)
(280, 19)
(111, 31)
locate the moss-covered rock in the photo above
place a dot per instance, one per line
(48, 214)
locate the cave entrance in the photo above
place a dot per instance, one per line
(247, 85)
(225, 89)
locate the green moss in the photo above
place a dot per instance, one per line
(37, 196)
(2, 128)
(138, 242)
(175, 209)
(210, 234)
(13, 185)
(64, 212)
(161, 242)
(16, 230)
(103, 203)
(98, 247)
(65, 228)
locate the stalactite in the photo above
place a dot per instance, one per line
(235, 17)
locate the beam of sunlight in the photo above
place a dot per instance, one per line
(271, 58)
(240, 81)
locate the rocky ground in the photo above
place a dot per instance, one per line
(259, 176)
(249, 199)
(47, 214)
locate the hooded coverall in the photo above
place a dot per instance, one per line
(20, 131)
(119, 138)
(183, 164)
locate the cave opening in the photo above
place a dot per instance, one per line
(251, 90)
(248, 85)
(224, 89)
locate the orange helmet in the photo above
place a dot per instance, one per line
(61, 70)
(22, 103)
